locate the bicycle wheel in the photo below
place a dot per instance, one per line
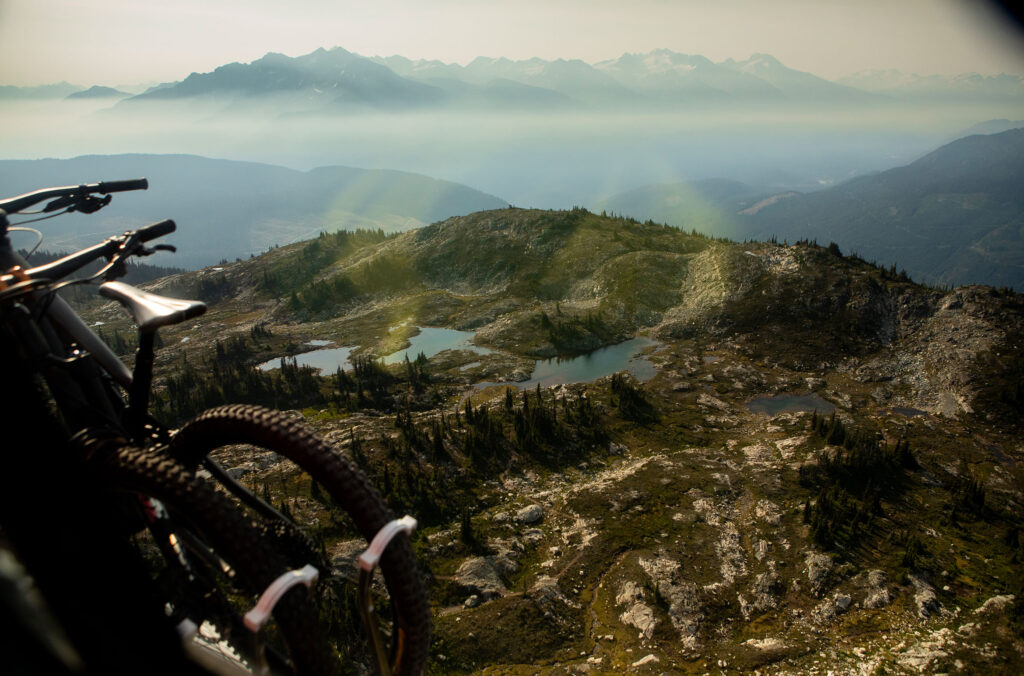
(224, 530)
(257, 426)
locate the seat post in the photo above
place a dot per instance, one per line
(142, 379)
(150, 312)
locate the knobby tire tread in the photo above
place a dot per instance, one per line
(255, 425)
(234, 537)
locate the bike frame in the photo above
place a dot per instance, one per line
(99, 396)
(62, 315)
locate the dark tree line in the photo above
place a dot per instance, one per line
(433, 467)
(226, 380)
(631, 401)
(851, 481)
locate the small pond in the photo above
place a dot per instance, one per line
(431, 341)
(326, 361)
(790, 403)
(591, 366)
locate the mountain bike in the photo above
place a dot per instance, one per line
(98, 416)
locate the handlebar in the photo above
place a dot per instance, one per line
(154, 230)
(16, 204)
(63, 267)
(106, 187)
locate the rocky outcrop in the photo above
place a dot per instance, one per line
(682, 597)
(877, 594)
(925, 598)
(763, 595)
(996, 604)
(637, 614)
(818, 566)
(829, 609)
(479, 576)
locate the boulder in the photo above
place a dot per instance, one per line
(530, 514)
(616, 449)
(924, 597)
(996, 603)
(843, 602)
(878, 595)
(479, 576)
(640, 616)
(770, 643)
(818, 567)
(650, 659)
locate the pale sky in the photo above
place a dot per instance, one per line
(114, 42)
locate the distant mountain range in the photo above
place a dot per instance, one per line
(894, 82)
(339, 80)
(99, 92)
(955, 216)
(51, 91)
(227, 209)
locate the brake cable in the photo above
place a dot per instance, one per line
(42, 218)
(38, 233)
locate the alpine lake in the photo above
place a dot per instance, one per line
(430, 341)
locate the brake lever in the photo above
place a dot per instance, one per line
(149, 251)
(140, 250)
(89, 204)
(59, 203)
(115, 266)
(86, 204)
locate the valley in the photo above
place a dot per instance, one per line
(663, 524)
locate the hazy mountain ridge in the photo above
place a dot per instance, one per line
(227, 209)
(573, 79)
(98, 92)
(912, 85)
(337, 78)
(950, 217)
(47, 91)
(545, 133)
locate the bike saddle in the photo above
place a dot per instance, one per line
(149, 310)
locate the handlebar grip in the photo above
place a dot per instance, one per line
(158, 229)
(106, 187)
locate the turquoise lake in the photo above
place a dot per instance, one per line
(429, 341)
(603, 362)
(326, 360)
